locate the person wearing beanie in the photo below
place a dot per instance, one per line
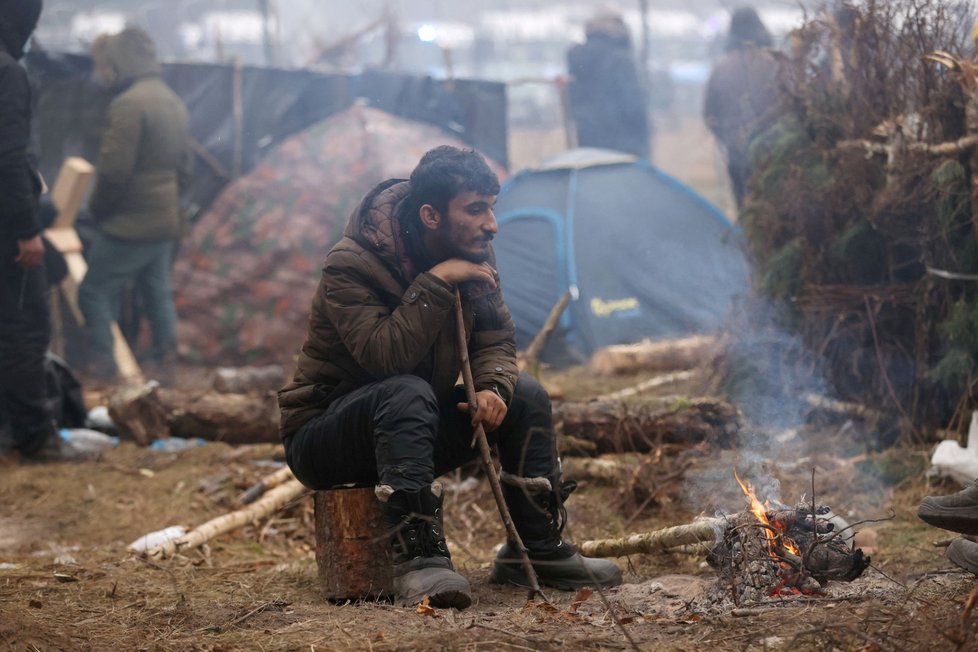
(606, 95)
(143, 163)
(26, 421)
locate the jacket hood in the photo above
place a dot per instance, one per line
(374, 222)
(18, 18)
(133, 55)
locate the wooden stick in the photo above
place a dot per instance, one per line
(699, 531)
(268, 504)
(483, 443)
(531, 357)
(269, 482)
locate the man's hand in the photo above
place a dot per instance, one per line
(30, 252)
(490, 410)
(456, 270)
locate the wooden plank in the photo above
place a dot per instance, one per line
(65, 240)
(68, 194)
(69, 190)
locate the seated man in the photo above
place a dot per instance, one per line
(374, 397)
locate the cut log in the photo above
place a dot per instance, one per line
(616, 427)
(706, 530)
(662, 355)
(270, 503)
(353, 553)
(147, 413)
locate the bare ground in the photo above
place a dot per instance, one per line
(67, 581)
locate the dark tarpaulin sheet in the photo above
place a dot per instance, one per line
(275, 104)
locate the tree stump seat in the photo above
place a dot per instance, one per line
(352, 545)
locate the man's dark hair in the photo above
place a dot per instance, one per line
(445, 171)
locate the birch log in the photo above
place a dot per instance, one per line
(662, 355)
(705, 530)
(270, 503)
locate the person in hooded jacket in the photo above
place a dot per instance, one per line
(606, 95)
(742, 93)
(374, 399)
(25, 327)
(143, 163)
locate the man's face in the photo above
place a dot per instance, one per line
(469, 226)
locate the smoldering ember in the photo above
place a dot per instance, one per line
(459, 326)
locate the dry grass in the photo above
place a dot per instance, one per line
(69, 584)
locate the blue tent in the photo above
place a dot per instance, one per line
(643, 255)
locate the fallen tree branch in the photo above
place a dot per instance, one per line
(530, 359)
(645, 385)
(700, 531)
(271, 502)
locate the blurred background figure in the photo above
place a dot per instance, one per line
(25, 326)
(742, 93)
(607, 97)
(143, 162)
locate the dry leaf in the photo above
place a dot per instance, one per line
(580, 599)
(425, 609)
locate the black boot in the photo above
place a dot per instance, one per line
(422, 563)
(539, 520)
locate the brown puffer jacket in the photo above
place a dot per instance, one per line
(370, 322)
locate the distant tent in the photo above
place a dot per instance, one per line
(645, 255)
(248, 271)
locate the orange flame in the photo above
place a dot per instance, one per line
(773, 533)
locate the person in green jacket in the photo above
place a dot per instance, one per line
(143, 163)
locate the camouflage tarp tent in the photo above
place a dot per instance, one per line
(248, 270)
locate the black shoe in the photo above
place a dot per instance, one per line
(957, 512)
(964, 553)
(566, 569)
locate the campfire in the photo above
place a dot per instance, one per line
(772, 550)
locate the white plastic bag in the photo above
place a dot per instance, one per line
(953, 461)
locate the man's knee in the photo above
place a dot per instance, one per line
(529, 394)
(407, 396)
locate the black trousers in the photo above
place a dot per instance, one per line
(394, 432)
(25, 332)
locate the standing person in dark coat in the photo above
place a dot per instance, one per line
(606, 96)
(25, 326)
(143, 163)
(742, 93)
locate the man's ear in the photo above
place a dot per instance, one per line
(430, 217)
